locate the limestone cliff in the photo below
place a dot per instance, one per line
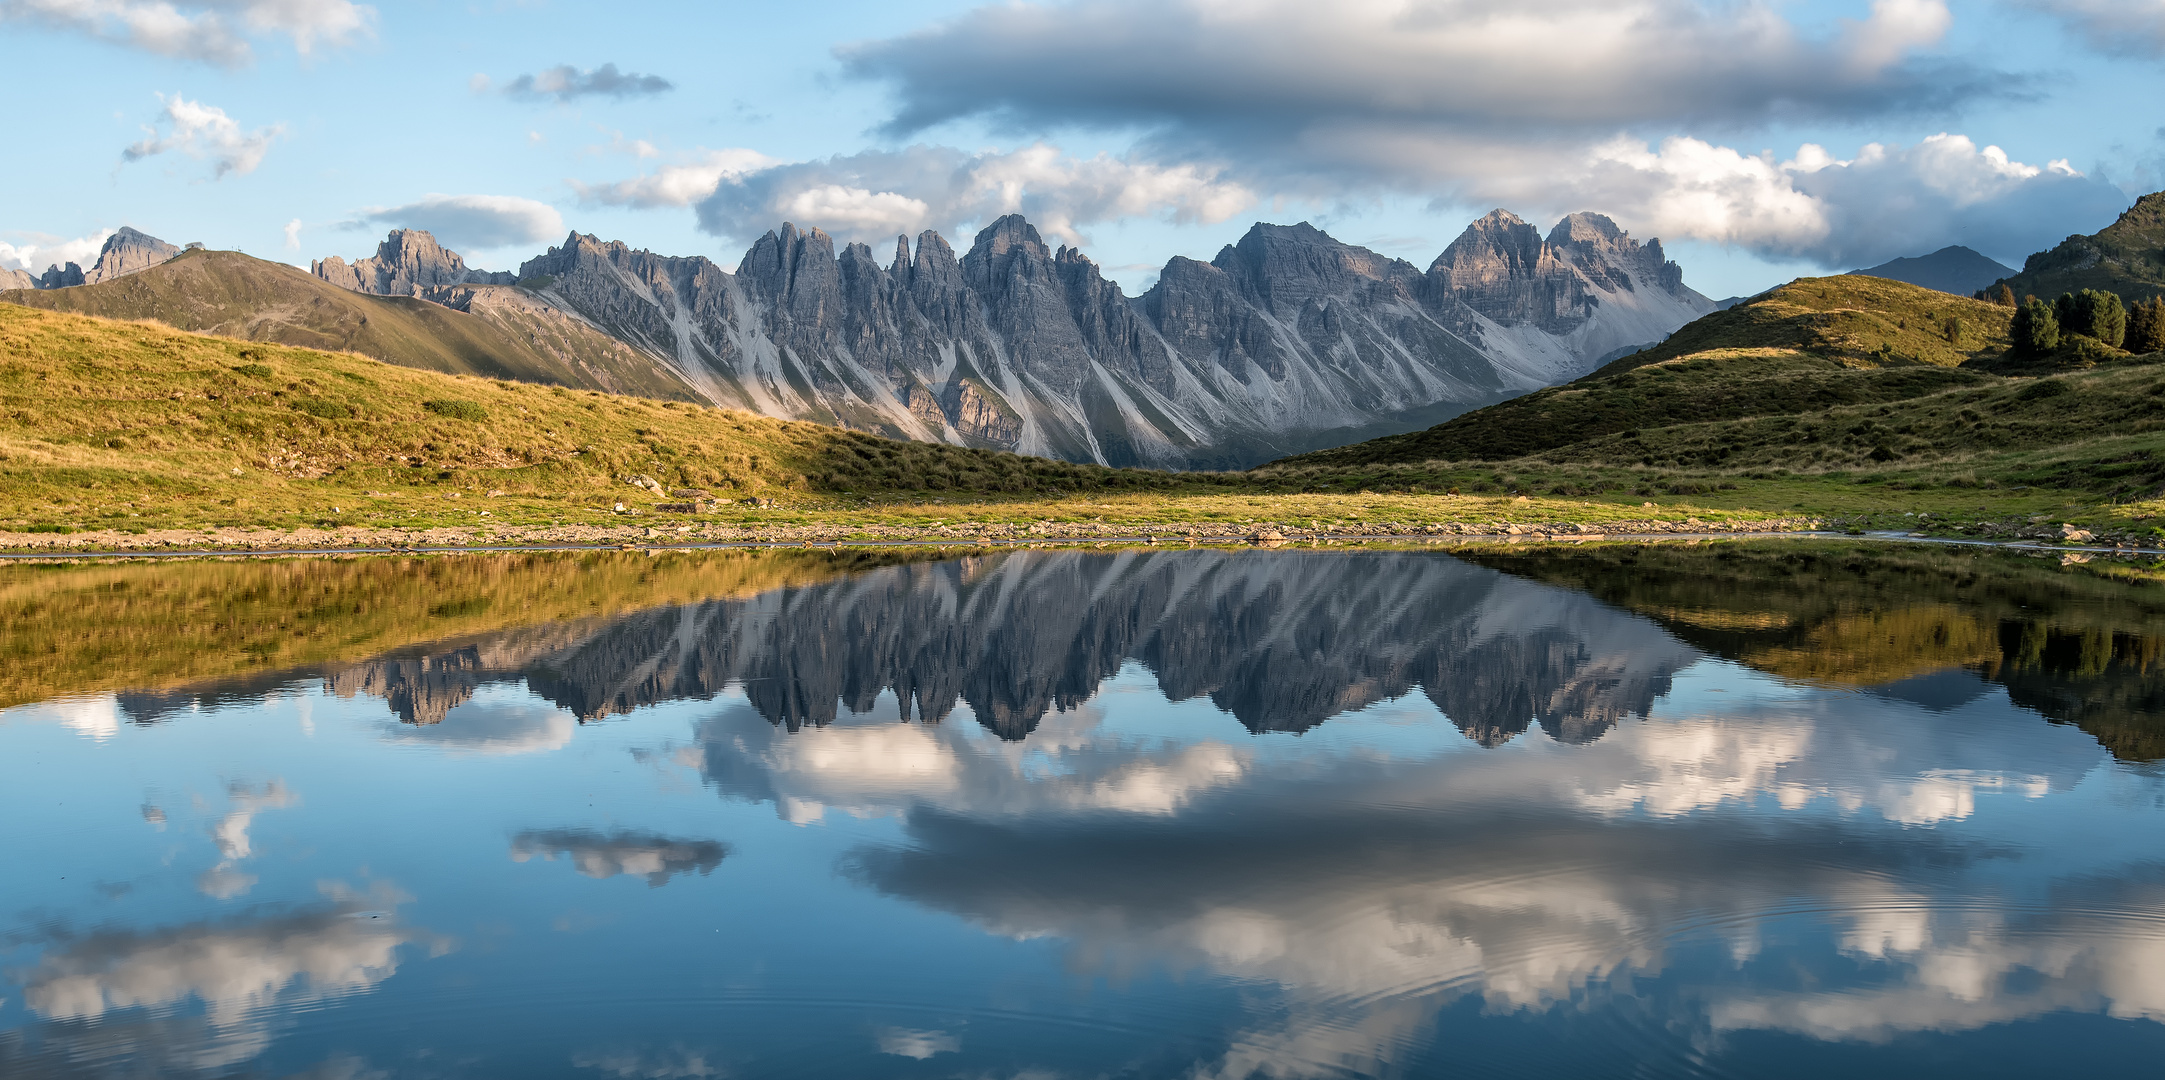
(126, 252)
(1285, 340)
(407, 263)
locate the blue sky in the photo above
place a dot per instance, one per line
(1758, 140)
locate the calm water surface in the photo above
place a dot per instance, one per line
(1766, 811)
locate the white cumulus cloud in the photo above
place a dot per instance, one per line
(1542, 106)
(879, 194)
(206, 133)
(482, 221)
(1884, 202)
(210, 31)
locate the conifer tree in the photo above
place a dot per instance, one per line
(2092, 313)
(2146, 326)
(2035, 330)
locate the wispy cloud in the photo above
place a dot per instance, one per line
(206, 133)
(2114, 27)
(879, 194)
(676, 185)
(208, 31)
(565, 84)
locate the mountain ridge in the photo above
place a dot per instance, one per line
(511, 335)
(1287, 336)
(1952, 269)
(1288, 340)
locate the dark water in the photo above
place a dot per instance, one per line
(1766, 811)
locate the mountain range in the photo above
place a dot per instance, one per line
(125, 252)
(1287, 340)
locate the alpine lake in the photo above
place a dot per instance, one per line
(1743, 809)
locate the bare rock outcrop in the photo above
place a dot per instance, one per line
(1287, 341)
(125, 252)
(407, 263)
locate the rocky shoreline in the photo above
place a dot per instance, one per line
(181, 541)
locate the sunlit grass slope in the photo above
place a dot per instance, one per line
(1828, 383)
(1816, 344)
(108, 423)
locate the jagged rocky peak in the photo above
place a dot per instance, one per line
(796, 270)
(408, 262)
(1009, 234)
(58, 277)
(1286, 338)
(1499, 245)
(1286, 267)
(1585, 234)
(1586, 228)
(1503, 268)
(126, 252)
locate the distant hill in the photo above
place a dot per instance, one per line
(497, 331)
(1813, 344)
(1953, 269)
(2126, 257)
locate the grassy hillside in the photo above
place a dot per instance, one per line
(232, 295)
(111, 428)
(2126, 257)
(111, 424)
(1845, 396)
(1815, 344)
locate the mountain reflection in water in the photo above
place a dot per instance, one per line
(1792, 810)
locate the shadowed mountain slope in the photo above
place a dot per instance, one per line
(2125, 257)
(1955, 269)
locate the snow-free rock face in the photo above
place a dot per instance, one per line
(407, 263)
(1285, 341)
(1589, 289)
(126, 252)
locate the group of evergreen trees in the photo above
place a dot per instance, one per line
(2039, 328)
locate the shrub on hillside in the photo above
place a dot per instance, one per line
(2146, 326)
(2035, 330)
(456, 409)
(2092, 313)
